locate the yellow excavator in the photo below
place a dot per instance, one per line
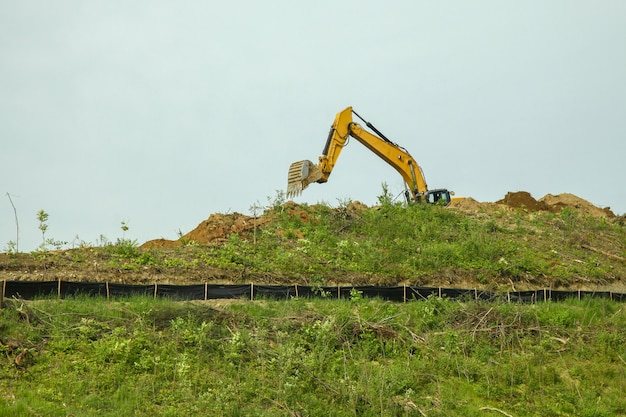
(303, 173)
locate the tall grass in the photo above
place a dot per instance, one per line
(435, 357)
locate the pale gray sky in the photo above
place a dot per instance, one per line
(159, 113)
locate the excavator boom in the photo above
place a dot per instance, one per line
(303, 173)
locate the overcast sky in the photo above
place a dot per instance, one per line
(159, 113)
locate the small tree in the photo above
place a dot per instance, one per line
(42, 217)
(124, 229)
(255, 208)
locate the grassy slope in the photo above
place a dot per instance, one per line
(324, 357)
(492, 247)
(330, 357)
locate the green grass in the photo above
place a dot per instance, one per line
(437, 357)
(398, 243)
(391, 245)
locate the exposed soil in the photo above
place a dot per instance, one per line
(553, 203)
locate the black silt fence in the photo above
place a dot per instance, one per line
(182, 292)
(28, 290)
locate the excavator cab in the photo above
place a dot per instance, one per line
(440, 197)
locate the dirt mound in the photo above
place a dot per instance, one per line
(213, 230)
(468, 204)
(553, 203)
(560, 201)
(219, 226)
(522, 199)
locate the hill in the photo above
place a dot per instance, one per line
(559, 241)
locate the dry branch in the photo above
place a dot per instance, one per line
(605, 253)
(495, 409)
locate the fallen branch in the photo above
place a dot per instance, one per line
(610, 255)
(495, 409)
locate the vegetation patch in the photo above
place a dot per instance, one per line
(436, 357)
(470, 245)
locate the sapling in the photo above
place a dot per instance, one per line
(255, 208)
(42, 217)
(124, 229)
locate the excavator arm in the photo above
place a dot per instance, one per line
(303, 173)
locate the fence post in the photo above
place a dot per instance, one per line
(108, 291)
(59, 288)
(206, 291)
(252, 291)
(4, 282)
(155, 289)
(296, 290)
(404, 294)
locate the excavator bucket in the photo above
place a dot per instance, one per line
(301, 174)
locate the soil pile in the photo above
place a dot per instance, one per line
(558, 202)
(522, 199)
(553, 203)
(213, 230)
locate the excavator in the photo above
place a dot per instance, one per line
(303, 173)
